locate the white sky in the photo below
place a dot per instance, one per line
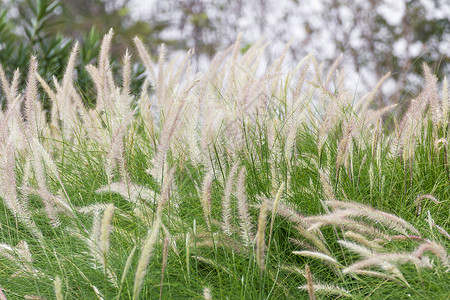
(278, 29)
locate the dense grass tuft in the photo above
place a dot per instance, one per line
(223, 184)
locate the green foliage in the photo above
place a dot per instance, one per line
(229, 187)
(32, 33)
(35, 32)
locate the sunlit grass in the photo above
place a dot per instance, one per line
(224, 185)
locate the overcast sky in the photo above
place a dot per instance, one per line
(278, 29)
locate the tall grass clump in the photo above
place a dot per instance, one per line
(230, 183)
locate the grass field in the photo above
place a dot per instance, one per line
(227, 184)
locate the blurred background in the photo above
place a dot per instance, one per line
(375, 37)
